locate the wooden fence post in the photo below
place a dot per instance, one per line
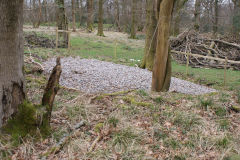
(187, 64)
(57, 38)
(69, 41)
(115, 50)
(225, 71)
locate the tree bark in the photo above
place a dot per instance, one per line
(52, 88)
(100, 18)
(74, 15)
(133, 24)
(197, 15)
(151, 35)
(12, 92)
(90, 16)
(62, 21)
(162, 62)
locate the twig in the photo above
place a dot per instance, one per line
(56, 148)
(99, 137)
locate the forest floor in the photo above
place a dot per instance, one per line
(134, 124)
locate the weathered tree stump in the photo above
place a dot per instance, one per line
(52, 88)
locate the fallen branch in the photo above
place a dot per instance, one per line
(56, 148)
(33, 61)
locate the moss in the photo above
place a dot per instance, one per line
(28, 121)
(98, 127)
(134, 102)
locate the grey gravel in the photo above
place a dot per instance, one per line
(94, 76)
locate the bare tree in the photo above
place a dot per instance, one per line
(90, 15)
(12, 83)
(73, 15)
(197, 15)
(133, 24)
(215, 24)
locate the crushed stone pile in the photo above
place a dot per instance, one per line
(94, 76)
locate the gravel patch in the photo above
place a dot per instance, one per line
(94, 76)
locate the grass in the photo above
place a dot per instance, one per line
(136, 124)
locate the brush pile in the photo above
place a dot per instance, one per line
(34, 40)
(193, 42)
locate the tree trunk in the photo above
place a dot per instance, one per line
(117, 15)
(151, 36)
(215, 24)
(90, 16)
(197, 15)
(12, 83)
(176, 22)
(39, 14)
(236, 16)
(100, 18)
(73, 15)
(62, 21)
(34, 14)
(133, 24)
(162, 62)
(45, 11)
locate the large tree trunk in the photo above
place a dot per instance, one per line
(12, 91)
(62, 21)
(74, 15)
(162, 62)
(197, 15)
(100, 18)
(90, 16)
(151, 35)
(133, 24)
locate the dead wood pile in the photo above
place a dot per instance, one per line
(195, 43)
(34, 40)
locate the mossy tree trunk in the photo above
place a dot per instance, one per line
(74, 15)
(133, 23)
(62, 21)
(151, 35)
(162, 61)
(197, 15)
(12, 83)
(89, 16)
(100, 18)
